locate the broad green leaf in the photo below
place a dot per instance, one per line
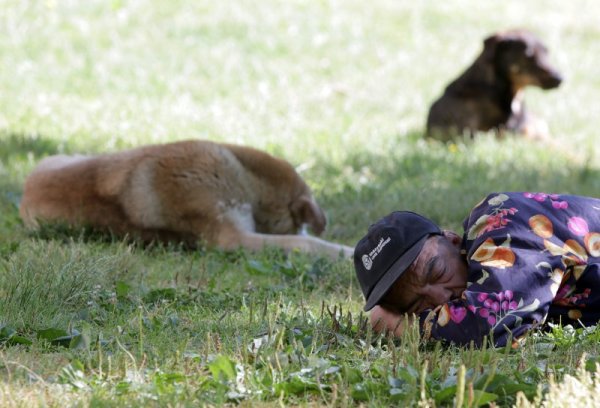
(408, 374)
(254, 267)
(397, 394)
(591, 364)
(511, 389)
(332, 370)
(6, 333)
(16, 339)
(169, 378)
(534, 373)
(445, 395)
(287, 268)
(74, 375)
(496, 381)
(79, 341)
(157, 295)
(483, 398)
(74, 338)
(359, 393)
(297, 384)
(367, 390)
(61, 337)
(122, 289)
(9, 337)
(479, 397)
(395, 382)
(51, 334)
(122, 387)
(222, 368)
(352, 374)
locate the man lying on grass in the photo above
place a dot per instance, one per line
(525, 259)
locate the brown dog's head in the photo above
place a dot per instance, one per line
(522, 58)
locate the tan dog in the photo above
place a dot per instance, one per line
(224, 195)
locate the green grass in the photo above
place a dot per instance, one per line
(341, 90)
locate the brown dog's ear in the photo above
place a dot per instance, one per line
(489, 46)
(306, 211)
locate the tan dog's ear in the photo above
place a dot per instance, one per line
(306, 211)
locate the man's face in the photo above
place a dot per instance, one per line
(438, 275)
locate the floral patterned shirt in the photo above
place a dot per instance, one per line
(532, 258)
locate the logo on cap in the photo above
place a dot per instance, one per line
(367, 262)
(367, 259)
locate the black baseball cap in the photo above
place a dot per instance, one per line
(389, 248)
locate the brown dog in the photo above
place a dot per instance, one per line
(225, 195)
(488, 95)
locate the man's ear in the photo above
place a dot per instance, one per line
(453, 237)
(306, 211)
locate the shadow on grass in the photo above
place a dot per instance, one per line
(18, 154)
(440, 181)
(65, 233)
(19, 146)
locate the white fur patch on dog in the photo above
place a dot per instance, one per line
(239, 214)
(145, 208)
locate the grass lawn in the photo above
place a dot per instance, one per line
(341, 90)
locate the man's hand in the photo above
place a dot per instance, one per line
(388, 320)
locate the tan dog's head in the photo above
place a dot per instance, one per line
(279, 217)
(522, 58)
(287, 205)
(306, 211)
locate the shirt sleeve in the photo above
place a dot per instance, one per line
(515, 269)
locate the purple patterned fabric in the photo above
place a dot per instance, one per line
(532, 258)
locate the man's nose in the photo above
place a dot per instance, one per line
(438, 296)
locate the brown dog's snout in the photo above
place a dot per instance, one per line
(551, 79)
(548, 76)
